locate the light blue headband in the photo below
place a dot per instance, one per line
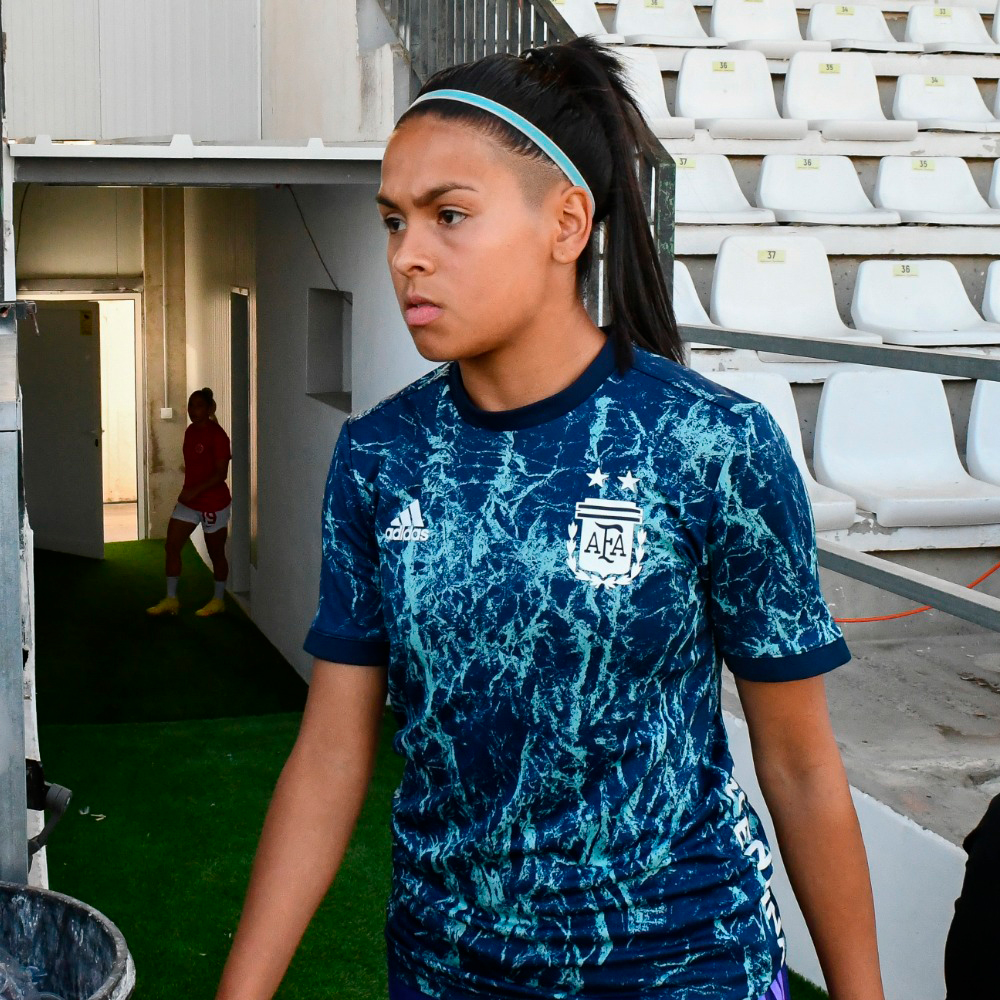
(536, 135)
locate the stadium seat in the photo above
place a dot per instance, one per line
(982, 446)
(817, 190)
(769, 26)
(993, 198)
(862, 27)
(778, 284)
(838, 94)
(688, 310)
(707, 193)
(885, 438)
(582, 17)
(918, 303)
(991, 293)
(946, 103)
(647, 86)
(831, 509)
(995, 35)
(948, 29)
(730, 94)
(662, 22)
(932, 190)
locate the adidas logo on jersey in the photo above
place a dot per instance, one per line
(407, 526)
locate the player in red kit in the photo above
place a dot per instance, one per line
(205, 500)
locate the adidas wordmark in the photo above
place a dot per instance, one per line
(408, 526)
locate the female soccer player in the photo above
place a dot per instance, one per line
(544, 550)
(205, 499)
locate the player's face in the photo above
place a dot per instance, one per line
(469, 256)
(198, 410)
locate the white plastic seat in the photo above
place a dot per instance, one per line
(932, 190)
(662, 22)
(918, 303)
(730, 94)
(830, 508)
(993, 198)
(647, 86)
(838, 94)
(948, 29)
(862, 27)
(582, 17)
(688, 310)
(982, 445)
(995, 34)
(779, 284)
(817, 190)
(707, 193)
(885, 438)
(946, 103)
(769, 26)
(991, 293)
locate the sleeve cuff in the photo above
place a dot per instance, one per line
(358, 652)
(793, 667)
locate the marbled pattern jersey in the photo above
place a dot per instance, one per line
(554, 590)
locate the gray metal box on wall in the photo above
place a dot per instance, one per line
(111, 69)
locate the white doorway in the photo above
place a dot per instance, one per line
(84, 468)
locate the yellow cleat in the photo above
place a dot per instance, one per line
(215, 606)
(168, 606)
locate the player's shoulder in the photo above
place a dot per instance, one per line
(423, 393)
(665, 382)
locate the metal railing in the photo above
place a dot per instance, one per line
(441, 33)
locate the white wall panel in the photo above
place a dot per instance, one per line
(53, 68)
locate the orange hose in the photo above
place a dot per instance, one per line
(915, 611)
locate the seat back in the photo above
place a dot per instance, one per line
(995, 35)
(780, 284)
(930, 24)
(824, 85)
(688, 309)
(993, 198)
(810, 183)
(953, 97)
(731, 84)
(581, 16)
(991, 293)
(982, 448)
(885, 426)
(911, 295)
(736, 20)
(775, 393)
(831, 21)
(670, 18)
(646, 81)
(927, 183)
(706, 183)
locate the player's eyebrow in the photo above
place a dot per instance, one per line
(428, 196)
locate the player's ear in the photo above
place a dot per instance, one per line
(574, 220)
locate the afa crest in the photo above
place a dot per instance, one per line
(605, 549)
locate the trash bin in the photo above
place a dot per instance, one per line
(74, 952)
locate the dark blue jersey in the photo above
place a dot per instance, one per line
(554, 590)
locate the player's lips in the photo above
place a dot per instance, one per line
(419, 311)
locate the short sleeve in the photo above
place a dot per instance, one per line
(768, 614)
(349, 626)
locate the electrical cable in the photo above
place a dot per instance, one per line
(915, 611)
(20, 217)
(291, 191)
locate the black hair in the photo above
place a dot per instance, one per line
(576, 93)
(208, 398)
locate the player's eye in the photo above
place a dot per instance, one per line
(393, 223)
(451, 216)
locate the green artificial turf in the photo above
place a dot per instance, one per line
(169, 798)
(101, 658)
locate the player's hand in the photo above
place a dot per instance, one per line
(186, 496)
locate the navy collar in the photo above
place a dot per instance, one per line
(540, 411)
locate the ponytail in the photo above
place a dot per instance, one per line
(576, 93)
(209, 397)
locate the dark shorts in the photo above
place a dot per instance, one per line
(778, 990)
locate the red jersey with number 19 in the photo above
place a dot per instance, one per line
(205, 446)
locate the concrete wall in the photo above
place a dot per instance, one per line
(916, 877)
(297, 432)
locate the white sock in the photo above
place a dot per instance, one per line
(172, 586)
(220, 589)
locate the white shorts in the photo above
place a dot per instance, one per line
(209, 520)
